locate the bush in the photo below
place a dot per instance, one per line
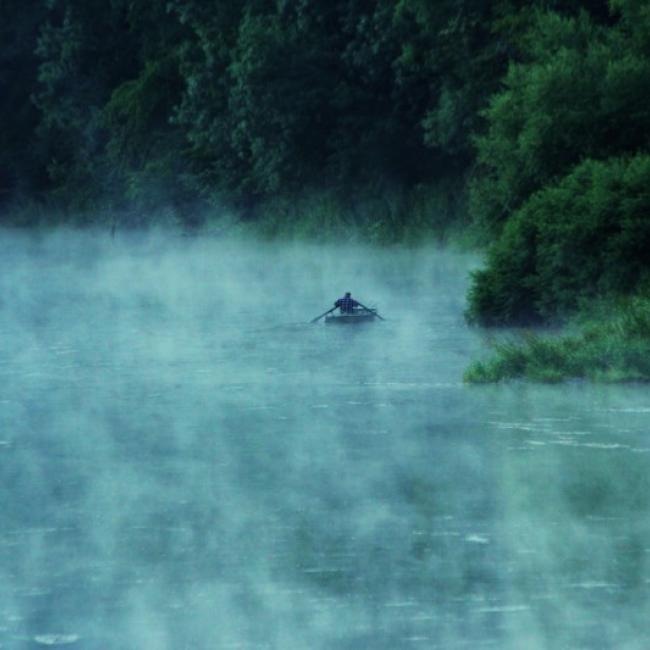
(585, 236)
(616, 349)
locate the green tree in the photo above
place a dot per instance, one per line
(144, 149)
(562, 163)
(547, 117)
(22, 161)
(585, 236)
(84, 51)
(202, 112)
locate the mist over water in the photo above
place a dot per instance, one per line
(185, 463)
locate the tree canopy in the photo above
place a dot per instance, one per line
(527, 122)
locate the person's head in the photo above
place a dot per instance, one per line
(347, 294)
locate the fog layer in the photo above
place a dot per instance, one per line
(186, 463)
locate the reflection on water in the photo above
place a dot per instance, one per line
(185, 464)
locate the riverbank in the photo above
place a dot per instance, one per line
(611, 344)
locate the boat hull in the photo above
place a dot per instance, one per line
(350, 319)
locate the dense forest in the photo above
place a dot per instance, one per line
(526, 123)
(130, 104)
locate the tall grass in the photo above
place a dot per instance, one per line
(611, 344)
(381, 215)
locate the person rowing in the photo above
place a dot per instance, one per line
(346, 304)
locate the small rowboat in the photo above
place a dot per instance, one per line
(361, 314)
(352, 318)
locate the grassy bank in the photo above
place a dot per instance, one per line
(610, 344)
(378, 215)
(382, 215)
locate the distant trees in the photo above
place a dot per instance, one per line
(21, 154)
(133, 103)
(295, 94)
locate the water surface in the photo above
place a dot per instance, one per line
(185, 463)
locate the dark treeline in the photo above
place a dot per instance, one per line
(235, 102)
(525, 121)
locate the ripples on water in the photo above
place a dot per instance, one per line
(186, 464)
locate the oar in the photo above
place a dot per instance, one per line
(373, 311)
(313, 320)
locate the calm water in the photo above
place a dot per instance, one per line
(184, 464)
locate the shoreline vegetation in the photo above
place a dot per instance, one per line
(435, 216)
(609, 346)
(520, 128)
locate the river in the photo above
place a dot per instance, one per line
(185, 463)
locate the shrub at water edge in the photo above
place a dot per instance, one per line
(616, 349)
(585, 236)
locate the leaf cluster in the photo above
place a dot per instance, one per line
(563, 170)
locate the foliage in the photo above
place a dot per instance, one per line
(579, 93)
(387, 120)
(316, 119)
(392, 215)
(585, 236)
(546, 119)
(563, 169)
(610, 348)
(22, 160)
(246, 102)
